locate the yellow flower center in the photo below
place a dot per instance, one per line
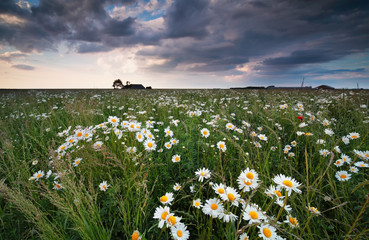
(354, 136)
(179, 233)
(39, 175)
(253, 215)
(214, 206)
(197, 204)
(279, 194)
(221, 146)
(250, 175)
(231, 197)
(132, 125)
(168, 145)
(104, 186)
(203, 173)
(164, 215)
(205, 132)
(176, 159)
(135, 236)
(287, 183)
(293, 221)
(338, 162)
(362, 165)
(79, 134)
(248, 183)
(343, 176)
(71, 140)
(114, 120)
(163, 198)
(62, 148)
(57, 186)
(149, 145)
(267, 233)
(86, 134)
(77, 162)
(221, 190)
(172, 220)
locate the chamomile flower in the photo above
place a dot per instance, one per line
(345, 140)
(244, 236)
(168, 132)
(97, 145)
(281, 203)
(346, 158)
(221, 145)
(354, 169)
(180, 232)
(342, 176)
(77, 161)
(136, 235)
(253, 214)
(202, 174)
(37, 175)
(168, 145)
(150, 145)
(140, 136)
(353, 135)
(219, 188)
(176, 187)
(213, 207)
(205, 132)
(131, 149)
(197, 203)
(34, 162)
(267, 232)
(287, 183)
(274, 191)
(104, 186)
(167, 198)
(58, 186)
(324, 152)
(338, 162)
(263, 137)
(174, 141)
(161, 214)
(113, 120)
(227, 216)
(247, 180)
(176, 158)
(291, 221)
(231, 195)
(172, 220)
(314, 210)
(361, 164)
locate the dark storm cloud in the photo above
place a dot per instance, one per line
(188, 18)
(45, 25)
(306, 32)
(23, 67)
(201, 35)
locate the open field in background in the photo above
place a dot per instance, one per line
(102, 164)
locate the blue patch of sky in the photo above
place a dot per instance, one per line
(32, 2)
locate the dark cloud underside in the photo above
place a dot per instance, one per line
(201, 35)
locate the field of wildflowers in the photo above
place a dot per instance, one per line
(184, 164)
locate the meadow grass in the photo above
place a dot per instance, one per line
(262, 134)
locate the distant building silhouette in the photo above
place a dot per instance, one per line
(324, 87)
(117, 84)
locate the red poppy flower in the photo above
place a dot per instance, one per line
(301, 118)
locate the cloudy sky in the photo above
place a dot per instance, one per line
(183, 43)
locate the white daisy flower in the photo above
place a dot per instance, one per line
(267, 232)
(167, 198)
(176, 158)
(205, 132)
(197, 203)
(287, 183)
(221, 146)
(149, 145)
(161, 214)
(180, 232)
(213, 207)
(104, 186)
(253, 214)
(202, 174)
(342, 176)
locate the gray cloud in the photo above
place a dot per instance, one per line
(201, 35)
(23, 67)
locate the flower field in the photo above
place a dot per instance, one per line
(184, 164)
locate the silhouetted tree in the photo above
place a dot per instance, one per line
(118, 84)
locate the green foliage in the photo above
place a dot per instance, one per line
(34, 124)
